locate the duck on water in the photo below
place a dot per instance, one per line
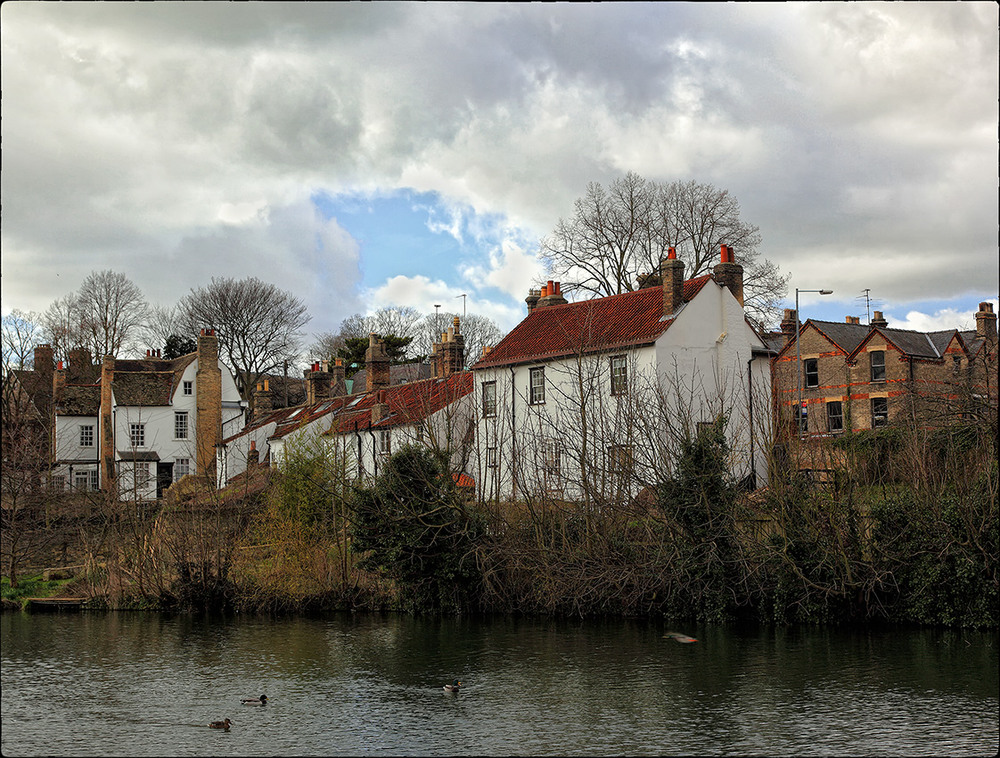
(262, 700)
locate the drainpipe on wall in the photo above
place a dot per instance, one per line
(753, 461)
(513, 435)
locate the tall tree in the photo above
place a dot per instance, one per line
(63, 326)
(114, 313)
(258, 325)
(622, 231)
(22, 332)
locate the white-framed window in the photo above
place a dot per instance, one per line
(137, 435)
(536, 386)
(835, 416)
(142, 474)
(182, 467)
(86, 435)
(877, 359)
(84, 479)
(620, 460)
(619, 375)
(489, 399)
(180, 425)
(491, 457)
(880, 412)
(188, 387)
(552, 461)
(385, 441)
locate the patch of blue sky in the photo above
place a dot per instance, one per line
(409, 233)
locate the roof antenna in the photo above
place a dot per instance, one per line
(868, 305)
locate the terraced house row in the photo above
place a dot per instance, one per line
(589, 400)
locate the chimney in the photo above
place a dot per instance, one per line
(377, 363)
(208, 403)
(318, 382)
(262, 402)
(853, 319)
(672, 274)
(532, 299)
(986, 323)
(729, 273)
(106, 421)
(878, 320)
(253, 455)
(551, 294)
(338, 380)
(58, 383)
(789, 324)
(81, 367)
(452, 354)
(381, 408)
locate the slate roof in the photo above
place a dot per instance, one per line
(80, 400)
(556, 331)
(931, 345)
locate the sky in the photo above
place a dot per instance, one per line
(363, 155)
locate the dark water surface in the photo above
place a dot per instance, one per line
(146, 684)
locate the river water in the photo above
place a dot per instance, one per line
(82, 684)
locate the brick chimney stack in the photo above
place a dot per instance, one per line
(532, 299)
(208, 399)
(878, 320)
(81, 367)
(377, 364)
(338, 381)
(789, 324)
(551, 294)
(672, 274)
(318, 380)
(107, 430)
(729, 273)
(262, 401)
(853, 320)
(381, 408)
(986, 323)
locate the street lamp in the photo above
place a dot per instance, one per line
(798, 352)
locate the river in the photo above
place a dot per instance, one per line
(96, 684)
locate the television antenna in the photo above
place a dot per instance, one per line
(463, 296)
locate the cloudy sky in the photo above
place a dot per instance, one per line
(369, 154)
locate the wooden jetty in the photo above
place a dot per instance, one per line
(55, 603)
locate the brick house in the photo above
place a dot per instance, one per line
(854, 376)
(587, 400)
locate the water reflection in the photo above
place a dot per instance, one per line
(100, 684)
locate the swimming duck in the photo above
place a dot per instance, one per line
(262, 700)
(221, 724)
(455, 686)
(680, 637)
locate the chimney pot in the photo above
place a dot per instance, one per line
(671, 254)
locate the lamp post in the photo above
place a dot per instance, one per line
(798, 352)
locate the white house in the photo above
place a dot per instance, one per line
(591, 400)
(142, 424)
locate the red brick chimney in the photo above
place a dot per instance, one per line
(789, 324)
(381, 408)
(318, 380)
(729, 273)
(853, 320)
(986, 323)
(338, 382)
(208, 399)
(672, 274)
(262, 401)
(376, 363)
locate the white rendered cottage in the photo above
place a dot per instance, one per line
(590, 400)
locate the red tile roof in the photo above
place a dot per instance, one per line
(555, 331)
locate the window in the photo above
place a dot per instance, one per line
(619, 375)
(880, 412)
(491, 457)
(385, 441)
(552, 461)
(182, 467)
(802, 417)
(81, 480)
(536, 388)
(141, 474)
(188, 388)
(137, 435)
(180, 425)
(956, 364)
(619, 460)
(812, 372)
(877, 358)
(489, 399)
(835, 416)
(86, 435)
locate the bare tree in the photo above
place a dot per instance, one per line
(64, 326)
(621, 232)
(258, 325)
(479, 332)
(114, 313)
(22, 332)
